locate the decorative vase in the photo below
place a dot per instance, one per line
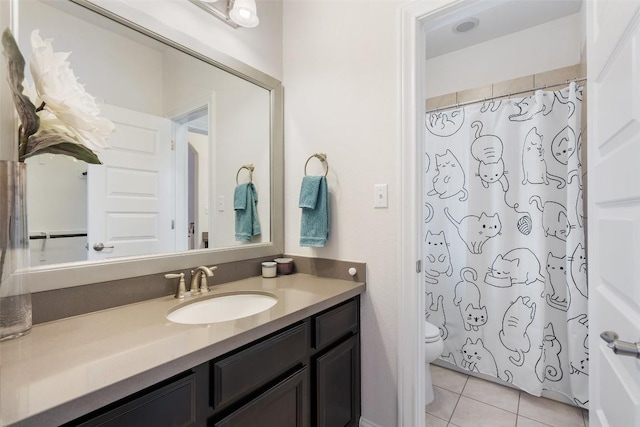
(15, 298)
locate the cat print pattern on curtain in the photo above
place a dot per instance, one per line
(504, 241)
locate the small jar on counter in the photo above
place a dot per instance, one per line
(269, 269)
(285, 265)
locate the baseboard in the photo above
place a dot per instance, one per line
(366, 423)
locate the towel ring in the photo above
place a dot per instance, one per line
(250, 168)
(323, 158)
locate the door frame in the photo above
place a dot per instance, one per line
(179, 116)
(411, 366)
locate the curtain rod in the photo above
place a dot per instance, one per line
(508, 95)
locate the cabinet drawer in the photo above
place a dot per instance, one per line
(245, 371)
(335, 323)
(171, 405)
(284, 405)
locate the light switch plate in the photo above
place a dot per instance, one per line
(380, 196)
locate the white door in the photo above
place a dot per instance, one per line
(131, 196)
(613, 55)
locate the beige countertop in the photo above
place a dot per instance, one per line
(69, 367)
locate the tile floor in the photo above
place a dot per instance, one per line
(465, 401)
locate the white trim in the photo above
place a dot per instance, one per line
(411, 366)
(366, 423)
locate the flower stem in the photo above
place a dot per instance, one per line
(41, 107)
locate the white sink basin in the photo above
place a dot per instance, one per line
(222, 308)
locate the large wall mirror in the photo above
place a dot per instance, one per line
(188, 122)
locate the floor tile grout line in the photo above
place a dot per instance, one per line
(539, 422)
(492, 405)
(459, 397)
(433, 415)
(454, 408)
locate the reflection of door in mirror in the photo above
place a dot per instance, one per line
(131, 196)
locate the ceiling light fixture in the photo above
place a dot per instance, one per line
(466, 25)
(235, 13)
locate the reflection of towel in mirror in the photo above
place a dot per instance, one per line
(245, 199)
(314, 201)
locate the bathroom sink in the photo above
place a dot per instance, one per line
(221, 308)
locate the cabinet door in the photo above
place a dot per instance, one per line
(172, 405)
(338, 385)
(284, 405)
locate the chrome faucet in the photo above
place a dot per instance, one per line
(200, 274)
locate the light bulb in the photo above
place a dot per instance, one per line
(244, 13)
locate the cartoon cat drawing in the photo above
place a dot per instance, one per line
(487, 149)
(580, 325)
(428, 216)
(556, 291)
(555, 221)
(449, 180)
(541, 102)
(577, 174)
(580, 364)
(518, 266)
(493, 106)
(578, 270)
(563, 145)
(548, 365)
(476, 230)
(444, 123)
(467, 299)
(579, 358)
(534, 167)
(580, 209)
(438, 259)
(515, 322)
(434, 314)
(477, 358)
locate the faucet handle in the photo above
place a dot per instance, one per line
(181, 288)
(204, 286)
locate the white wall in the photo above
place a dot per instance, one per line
(545, 47)
(341, 98)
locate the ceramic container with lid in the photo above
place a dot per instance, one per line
(285, 265)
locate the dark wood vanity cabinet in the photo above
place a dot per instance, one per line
(335, 363)
(305, 375)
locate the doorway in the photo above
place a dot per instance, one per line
(418, 18)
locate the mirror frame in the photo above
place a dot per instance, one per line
(86, 272)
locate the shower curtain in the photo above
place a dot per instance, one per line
(504, 245)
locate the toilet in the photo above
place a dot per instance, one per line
(433, 347)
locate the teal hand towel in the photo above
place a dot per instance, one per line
(245, 199)
(314, 201)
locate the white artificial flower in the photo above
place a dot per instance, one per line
(74, 111)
